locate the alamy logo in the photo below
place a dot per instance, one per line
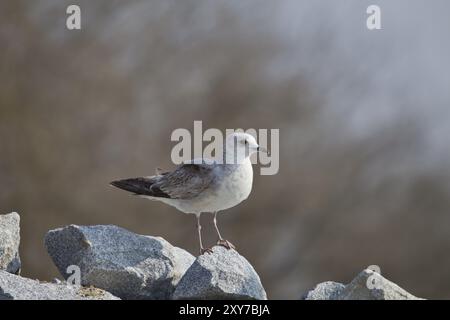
(75, 275)
(73, 21)
(220, 150)
(374, 280)
(373, 21)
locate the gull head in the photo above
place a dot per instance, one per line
(240, 146)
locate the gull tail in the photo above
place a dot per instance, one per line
(143, 186)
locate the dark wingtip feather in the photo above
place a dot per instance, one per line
(139, 186)
(116, 183)
(132, 185)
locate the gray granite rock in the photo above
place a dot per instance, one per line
(14, 287)
(223, 274)
(9, 242)
(129, 265)
(370, 285)
(367, 285)
(328, 290)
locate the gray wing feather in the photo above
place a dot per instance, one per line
(187, 181)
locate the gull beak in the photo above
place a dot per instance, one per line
(262, 149)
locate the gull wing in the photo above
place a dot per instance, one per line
(187, 181)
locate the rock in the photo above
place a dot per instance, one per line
(223, 274)
(9, 242)
(370, 285)
(14, 287)
(129, 265)
(328, 290)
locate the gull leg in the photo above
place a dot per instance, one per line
(199, 229)
(222, 242)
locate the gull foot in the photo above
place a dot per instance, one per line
(225, 243)
(205, 250)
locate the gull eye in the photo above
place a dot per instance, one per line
(246, 142)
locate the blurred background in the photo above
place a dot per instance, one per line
(364, 121)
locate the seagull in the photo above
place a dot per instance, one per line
(204, 186)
